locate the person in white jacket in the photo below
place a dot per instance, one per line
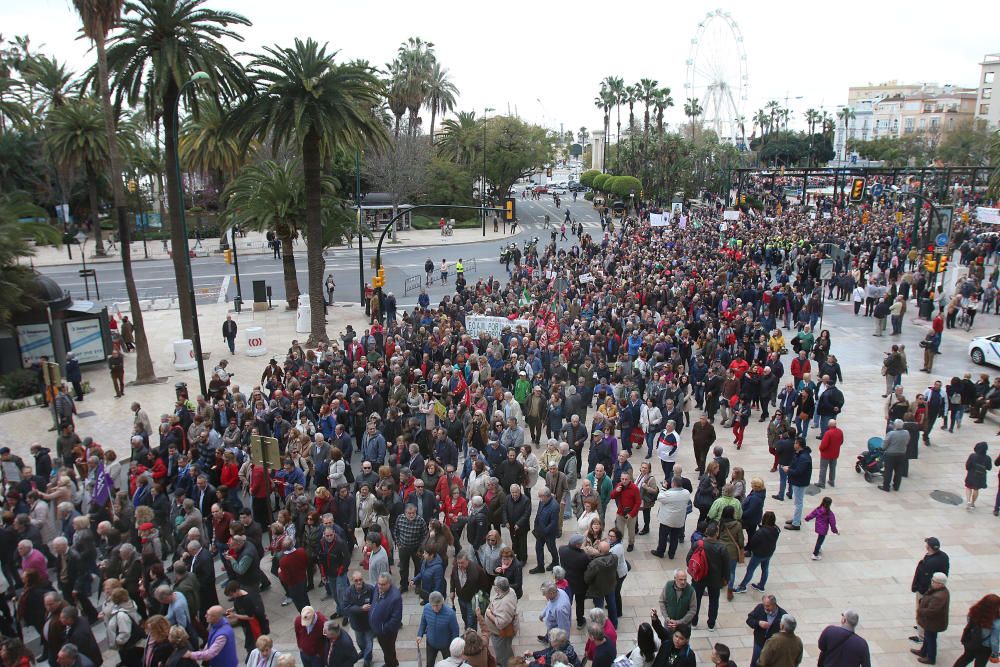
(672, 511)
(650, 419)
(124, 623)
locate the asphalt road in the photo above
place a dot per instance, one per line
(155, 278)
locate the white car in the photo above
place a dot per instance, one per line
(985, 350)
(557, 190)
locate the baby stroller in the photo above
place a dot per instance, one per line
(870, 462)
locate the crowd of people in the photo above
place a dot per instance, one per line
(417, 460)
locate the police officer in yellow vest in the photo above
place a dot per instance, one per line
(459, 267)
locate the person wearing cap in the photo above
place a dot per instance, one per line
(934, 560)
(309, 637)
(535, 412)
(74, 375)
(932, 617)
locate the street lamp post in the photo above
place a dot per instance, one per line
(196, 78)
(238, 303)
(482, 192)
(82, 239)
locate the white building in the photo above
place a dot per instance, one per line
(860, 126)
(986, 108)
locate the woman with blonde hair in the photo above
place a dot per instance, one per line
(158, 647)
(753, 507)
(264, 655)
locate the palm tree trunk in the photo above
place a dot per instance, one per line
(92, 202)
(433, 116)
(314, 230)
(178, 242)
(284, 233)
(144, 372)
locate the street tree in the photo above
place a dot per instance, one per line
(161, 44)
(514, 150)
(303, 97)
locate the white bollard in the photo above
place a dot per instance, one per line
(184, 355)
(256, 343)
(303, 317)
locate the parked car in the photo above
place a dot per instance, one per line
(558, 190)
(985, 350)
(540, 189)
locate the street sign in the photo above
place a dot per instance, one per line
(947, 213)
(826, 270)
(877, 190)
(941, 240)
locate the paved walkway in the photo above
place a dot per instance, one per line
(253, 243)
(868, 567)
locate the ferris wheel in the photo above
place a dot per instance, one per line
(717, 75)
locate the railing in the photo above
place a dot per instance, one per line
(412, 284)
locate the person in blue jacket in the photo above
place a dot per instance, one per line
(386, 617)
(799, 473)
(430, 578)
(438, 627)
(356, 598)
(546, 529)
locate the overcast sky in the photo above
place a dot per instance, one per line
(546, 61)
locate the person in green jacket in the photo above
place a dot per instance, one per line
(522, 389)
(723, 501)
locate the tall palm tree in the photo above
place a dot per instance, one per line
(692, 109)
(845, 115)
(441, 93)
(303, 98)
(418, 59)
(741, 121)
(616, 90)
(760, 119)
(604, 101)
(208, 144)
(269, 197)
(661, 102)
(17, 279)
(395, 93)
(785, 115)
(583, 135)
(772, 109)
(160, 45)
(459, 138)
(13, 110)
(99, 17)
(647, 90)
(812, 117)
(633, 94)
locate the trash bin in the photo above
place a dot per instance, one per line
(926, 308)
(303, 315)
(184, 355)
(256, 343)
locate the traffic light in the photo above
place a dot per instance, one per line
(942, 263)
(548, 172)
(227, 254)
(899, 216)
(857, 190)
(508, 209)
(379, 279)
(930, 264)
(866, 217)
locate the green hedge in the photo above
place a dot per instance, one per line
(19, 383)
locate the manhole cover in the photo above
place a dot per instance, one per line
(88, 413)
(947, 497)
(812, 490)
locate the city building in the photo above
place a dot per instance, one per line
(986, 109)
(856, 94)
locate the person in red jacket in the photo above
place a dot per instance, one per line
(829, 452)
(292, 567)
(260, 495)
(800, 366)
(221, 520)
(309, 636)
(626, 495)
(739, 367)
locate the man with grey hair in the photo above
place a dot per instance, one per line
(438, 626)
(894, 455)
(499, 617)
(456, 654)
(178, 612)
(340, 649)
(841, 646)
(557, 612)
(69, 656)
(764, 620)
(784, 647)
(517, 518)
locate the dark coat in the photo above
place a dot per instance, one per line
(932, 610)
(758, 614)
(575, 562)
(475, 581)
(928, 565)
(800, 470)
(601, 575)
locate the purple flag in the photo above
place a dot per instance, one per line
(103, 486)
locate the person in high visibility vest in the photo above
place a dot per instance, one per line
(459, 267)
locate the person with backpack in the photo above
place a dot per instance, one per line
(826, 521)
(125, 629)
(708, 565)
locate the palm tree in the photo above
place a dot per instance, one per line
(395, 93)
(741, 121)
(845, 115)
(647, 91)
(661, 102)
(616, 91)
(12, 108)
(417, 58)
(303, 98)
(441, 94)
(50, 79)
(583, 135)
(160, 45)
(99, 17)
(633, 94)
(785, 115)
(604, 101)
(812, 117)
(75, 138)
(760, 119)
(269, 196)
(208, 144)
(459, 138)
(17, 280)
(692, 110)
(772, 108)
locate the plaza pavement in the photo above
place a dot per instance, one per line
(868, 567)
